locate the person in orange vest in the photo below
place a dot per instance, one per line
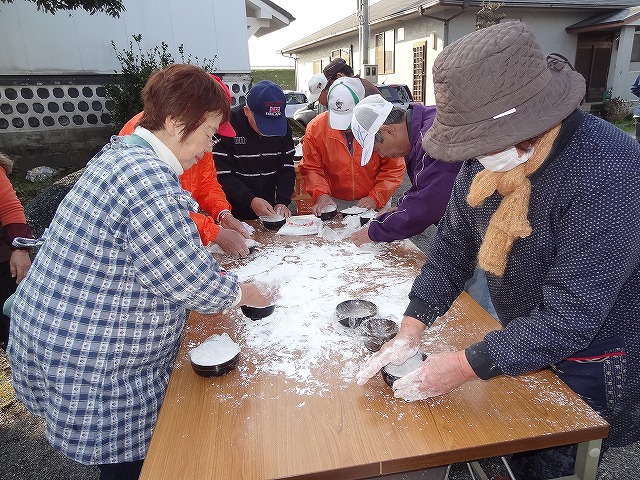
(217, 224)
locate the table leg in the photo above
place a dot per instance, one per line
(476, 471)
(587, 459)
(585, 468)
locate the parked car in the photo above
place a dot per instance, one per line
(295, 101)
(308, 113)
(396, 93)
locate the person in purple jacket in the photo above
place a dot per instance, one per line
(394, 132)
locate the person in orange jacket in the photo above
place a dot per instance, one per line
(219, 226)
(331, 164)
(14, 262)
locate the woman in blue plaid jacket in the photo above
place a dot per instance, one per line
(96, 323)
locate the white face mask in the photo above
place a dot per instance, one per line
(505, 160)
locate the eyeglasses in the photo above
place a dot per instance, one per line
(556, 62)
(215, 138)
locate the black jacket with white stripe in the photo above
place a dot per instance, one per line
(250, 165)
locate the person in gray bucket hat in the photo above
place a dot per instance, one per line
(547, 203)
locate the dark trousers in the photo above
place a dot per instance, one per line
(120, 471)
(7, 287)
(544, 464)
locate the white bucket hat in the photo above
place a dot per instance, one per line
(495, 88)
(368, 116)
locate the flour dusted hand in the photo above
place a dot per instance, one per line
(322, 202)
(258, 294)
(232, 243)
(396, 351)
(368, 203)
(283, 210)
(440, 373)
(261, 207)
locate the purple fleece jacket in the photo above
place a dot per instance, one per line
(431, 183)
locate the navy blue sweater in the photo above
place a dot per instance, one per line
(572, 288)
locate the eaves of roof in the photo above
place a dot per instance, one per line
(581, 4)
(279, 9)
(350, 24)
(386, 10)
(607, 21)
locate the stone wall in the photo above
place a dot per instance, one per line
(53, 148)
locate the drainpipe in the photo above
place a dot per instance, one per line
(365, 32)
(295, 67)
(445, 21)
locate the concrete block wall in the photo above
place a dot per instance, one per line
(60, 121)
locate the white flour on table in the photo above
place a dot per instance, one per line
(302, 340)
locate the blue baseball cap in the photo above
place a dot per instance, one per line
(267, 102)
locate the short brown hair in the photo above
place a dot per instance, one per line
(186, 93)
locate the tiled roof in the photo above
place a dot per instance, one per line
(616, 18)
(388, 9)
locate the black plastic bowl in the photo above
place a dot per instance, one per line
(216, 370)
(351, 313)
(328, 212)
(256, 313)
(365, 218)
(390, 378)
(356, 211)
(377, 331)
(273, 222)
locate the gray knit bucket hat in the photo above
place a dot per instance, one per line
(494, 88)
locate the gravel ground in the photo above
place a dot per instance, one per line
(26, 455)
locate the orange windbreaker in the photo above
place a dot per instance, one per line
(201, 181)
(12, 214)
(328, 167)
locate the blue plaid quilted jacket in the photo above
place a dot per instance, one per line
(96, 324)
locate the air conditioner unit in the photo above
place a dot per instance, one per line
(370, 72)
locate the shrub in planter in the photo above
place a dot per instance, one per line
(616, 109)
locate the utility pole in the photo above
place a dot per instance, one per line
(363, 31)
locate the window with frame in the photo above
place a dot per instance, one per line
(385, 44)
(635, 50)
(419, 67)
(344, 53)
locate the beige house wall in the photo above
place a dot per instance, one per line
(549, 27)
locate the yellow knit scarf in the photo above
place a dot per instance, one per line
(509, 221)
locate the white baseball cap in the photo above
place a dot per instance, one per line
(344, 94)
(368, 116)
(316, 85)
